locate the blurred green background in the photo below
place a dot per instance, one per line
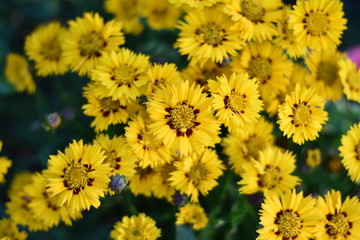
(28, 143)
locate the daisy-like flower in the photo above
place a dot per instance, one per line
(196, 173)
(339, 220)
(318, 24)
(5, 164)
(143, 144)
(160, 14)
(182, 118)
(123, 74)
(43, 207)
(197, 4)
(236, 101)
(350, 78)
(350, 152)
(127, 12)
(142, 182)
(162, 188)
(118, 154)
(162, 74)
(302, 115)
(88, 39)
(324, 68)
(313, 157)
(44, 46)
(192, 214)
(271, 172)
(9, 230)
(242, 148)
(140, 227)
(206, 35)
(287, 216)
(17, 72)
(78, 176)
(254, 19)
(267, 63)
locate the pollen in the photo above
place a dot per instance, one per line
(236, 102)
(91, 45)
(327, 72)
(211, 34)
(252, 11)
(182, 117)
(75, 176)
(317, 23)
(302, 115)
(338, 225)
(197, 174)
(289, 224)
(260, 68)
(270, 178)
(123, 75)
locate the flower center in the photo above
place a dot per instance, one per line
(338, 224)
(302, 115)
(260, 68)
(252, 11)
(252, 146)
(108, 105)
(357, 152)
(197, 173)
(52, 49)
(182, 118)
(123, 75)
(112, 159)
(136, 233)
(76, 176)
(236, 102)
(211, 34)
(327, 72)
(148, 141)
(316, 23)
(289, 224)
(91, 45)
(270, 178)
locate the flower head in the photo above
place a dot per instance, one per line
(192, 214)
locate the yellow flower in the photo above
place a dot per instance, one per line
(140, 227)
(5, 164)
(302, 115)
(123, 74)
(318, 24)
(182, 118)
(288, 216)
(313, 157)
(192, 214)
(271, 172)
(45, 47)
(205, 35)
(324, 68)
(236, 101)
(127, 12)
(78, 177)
(142, 182)
(88, 39)
(254, 19)
(350, 78)
(17, 72)
(350, 152)
(9, 230)
(196, 173)
(162, 188)
(339, 220)
(197, 4)
(242, 148)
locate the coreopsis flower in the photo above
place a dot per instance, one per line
(127, 12)
(162, 188)
(162, 74)
(78, 176)
(182, 118)
(267, 63)
(350, 78)
(88, 39)
(17, 72)
(193, 215)
(254, 19)
(339, 220)
(287, 216)
(118, 154)
(324, 68)
(196, 173)
(206, 35)
(123, 75)
(302, 115)
(242, 148)
(270, 172)
(350, 152)
(45, 46)
(318, 24)
(149, 150)
(9, 230)
(43, 207)
(140, 227)
(142, 182)
(236, 101)
(313, 157)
